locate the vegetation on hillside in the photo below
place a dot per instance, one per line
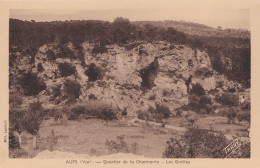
(121, 31)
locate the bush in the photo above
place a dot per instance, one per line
(163, 110)
(15, 100)
(34, 117)
(50, 55)
(194, 100)
(31, 84)
(197, 89)
(243, 116)
(66, 69)
(142, 115)
(203, 72)
(196, 143)
(157, 114)
(92, 96)
(56, 91)
(64, 52)
(40, 67)
(166, 93)
(152, 97)
(205, 100)
(99, 49)
(228, 99)
(70, 100)
(120, 145)
(49, 142)
(13, 141)
(142, 52)
(106, 114)
(201, 104)
(72, 88)
(94, 73)
(18, 153)
(231, 114)
(75, 112)
(131, 46)
(243, 152)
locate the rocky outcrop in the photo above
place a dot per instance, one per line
(120, 76)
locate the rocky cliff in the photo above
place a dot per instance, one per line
(131, 78)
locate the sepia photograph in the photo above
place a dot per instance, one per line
(152, 83)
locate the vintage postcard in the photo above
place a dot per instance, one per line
(129, 83)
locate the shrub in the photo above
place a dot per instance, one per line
(18, 153)
(166, 93)
(246, 106)
(228, 99)
(163, 110)
(142, 52)
(56, 91)
(33, 117)
(72, 88)
(94, 73)
(203, 72)
(49, 142)
(66, 69)
(175, 149)
(205, 100)
(243, 116)
(231, 114)
(197, 89)
(101, 112)
(120, 145)
(36, 106)
(107, 114)
(194, 100)
(40, 67)
(142, 115)
(56, 114)
(70, 100)
(75, 112)
(15, 100)
(64, 52)
(99, 49)
(219, 84)
(196, 143)
(31, 84)
(243, 152)
(13, 141)
(152, 97)
(157, 114)
(50, 55)
(92, 96)
(202, 104)
(131, 46)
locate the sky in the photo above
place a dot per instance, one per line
(226, 18)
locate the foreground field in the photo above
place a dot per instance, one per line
(140, 138)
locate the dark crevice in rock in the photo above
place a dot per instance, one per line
(148, 75)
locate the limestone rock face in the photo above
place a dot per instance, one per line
(121, 80)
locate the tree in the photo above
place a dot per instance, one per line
(121, 30)
(197, 89)
(17, 123)
(33, 118)
(231, 114)
(196, 143)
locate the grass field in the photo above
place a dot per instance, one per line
(90, 136)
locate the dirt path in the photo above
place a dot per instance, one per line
(135, 122)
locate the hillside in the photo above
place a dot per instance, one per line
(104, 74)
(198, 29)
